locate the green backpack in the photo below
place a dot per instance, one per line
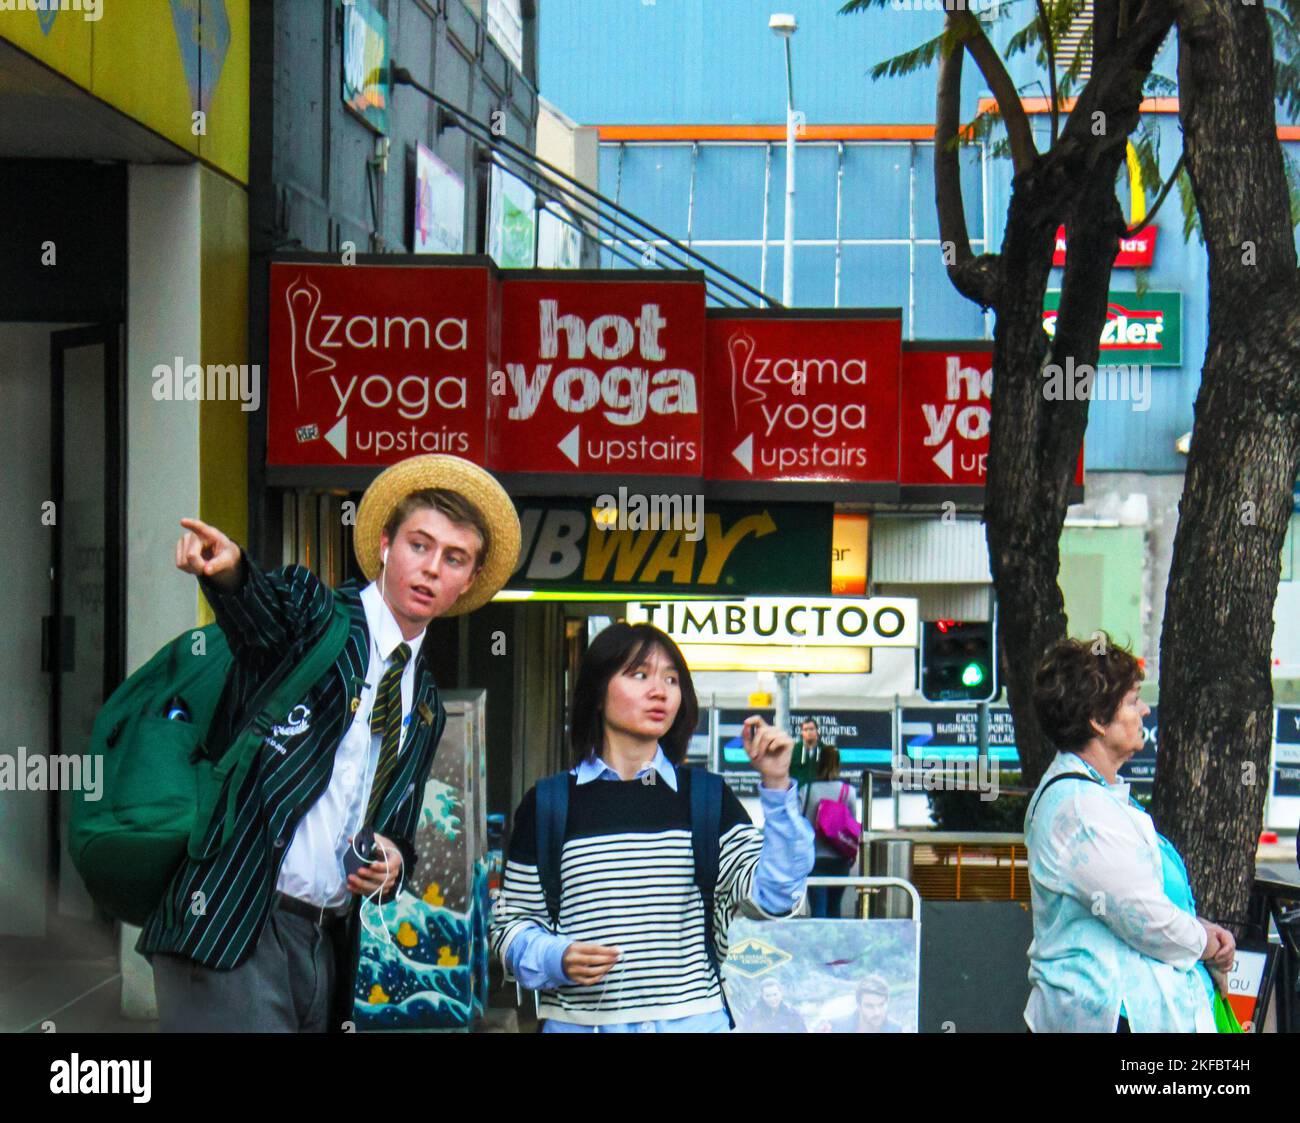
(161, 783)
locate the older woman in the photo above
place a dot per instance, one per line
(1117, 945)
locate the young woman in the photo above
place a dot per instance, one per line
(629, 951)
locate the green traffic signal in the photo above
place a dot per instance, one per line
(957, 661)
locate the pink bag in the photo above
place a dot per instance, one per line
(837, 826)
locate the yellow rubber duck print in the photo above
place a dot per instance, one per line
(406, 935)
(433, 894)
(446, 959)
(377, 996)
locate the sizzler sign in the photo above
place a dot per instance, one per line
(370, 364)
(599, 377)
(1140, 327)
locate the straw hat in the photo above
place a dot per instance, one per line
(417, 473)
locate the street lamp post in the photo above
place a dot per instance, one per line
(785, 25)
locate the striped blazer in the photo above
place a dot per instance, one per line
(214, 910)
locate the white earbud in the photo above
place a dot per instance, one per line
(384, 557)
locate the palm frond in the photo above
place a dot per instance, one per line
(1286, 85)
(918, 58)
(1292, 170)
(1146, 143)
(852, 6)
(1160, 85)
(1187, 201)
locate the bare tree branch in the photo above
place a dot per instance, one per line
(974, 279)
(1021, 136)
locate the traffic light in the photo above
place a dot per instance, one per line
(958, 661)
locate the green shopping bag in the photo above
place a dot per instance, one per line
(1225, 1021)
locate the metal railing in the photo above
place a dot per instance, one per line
(616, 230)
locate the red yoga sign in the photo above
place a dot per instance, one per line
(945, 413)
(373, 363)
(811, 396)
(599, 376)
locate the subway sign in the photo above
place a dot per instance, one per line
(700, 548)
(1144, 328)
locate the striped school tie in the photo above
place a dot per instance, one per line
(386, 722)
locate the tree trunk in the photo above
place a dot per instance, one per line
(1034, 442)
(1216, 691)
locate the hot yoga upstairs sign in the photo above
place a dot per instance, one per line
(581, 377)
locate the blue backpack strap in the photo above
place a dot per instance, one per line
(552, 818)
(706, 826)
(1056, 780)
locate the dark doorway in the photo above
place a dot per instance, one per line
(84, 653)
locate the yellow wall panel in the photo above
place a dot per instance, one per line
(226, 144)
(223, 339)
(65, 44)
(139, 69)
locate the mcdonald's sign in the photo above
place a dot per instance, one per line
(1136, 252)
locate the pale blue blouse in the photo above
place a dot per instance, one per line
(1114, 920)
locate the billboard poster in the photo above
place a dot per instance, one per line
(512, 220)
(1286, 752)
(823, 976)
(945, 409)
(951, 733)
(1137, 251)
(439, 222)
(559, 243)
(1142, 328)
(365, 63)
(733, 761)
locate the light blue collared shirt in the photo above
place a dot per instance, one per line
(536, 957)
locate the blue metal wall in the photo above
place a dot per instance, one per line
(887, 250)
(690, 61)
(696, 62)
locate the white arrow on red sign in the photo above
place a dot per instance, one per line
(943, 458)
(338, 437)
(571, 444)
(744, 452)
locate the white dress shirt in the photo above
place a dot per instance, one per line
(313, 868)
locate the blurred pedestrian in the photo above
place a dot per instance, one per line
(825, 900)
